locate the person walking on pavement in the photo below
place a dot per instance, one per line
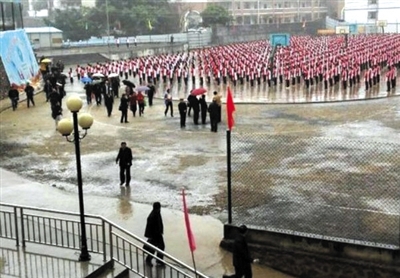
(48, 88)
(13, 94)
(133, 103)
(56, 112)
(109, 101)
(124, 158)
(154, 232)
(182, 107)
(150, 94)
(123, 107)
(168, 103)
(241, 256)
(29, 94)
(140, 101)
(204, 109)
(213, 109)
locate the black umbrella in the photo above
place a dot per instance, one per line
(128, 83)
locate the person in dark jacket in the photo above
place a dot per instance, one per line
(48, 88)
(204, 109)
(213, 109)
(123, 107)
(241, 256)
(190, 101)
(124, 158)
(29, 90)
(109, 101)
(150, 94)
(182, 107)
(115, 86)
(196, 110)
(154, 232)
(56, 112)
(88, 91)
(55, 97)
(13, 94)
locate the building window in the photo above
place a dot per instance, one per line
(372, 2)
(372, 15)
(247, 6)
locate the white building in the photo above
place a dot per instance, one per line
(370, 13)
(44, 37)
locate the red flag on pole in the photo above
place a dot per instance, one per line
(192, 243)
(230, 108)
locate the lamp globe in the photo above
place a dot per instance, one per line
(85, 120)
(65, 127)
(74, 103)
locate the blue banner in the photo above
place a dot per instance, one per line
(18, 58)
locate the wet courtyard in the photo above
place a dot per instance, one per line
(166, 159)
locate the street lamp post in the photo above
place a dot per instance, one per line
(66, 127)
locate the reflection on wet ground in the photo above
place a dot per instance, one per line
(280, 94)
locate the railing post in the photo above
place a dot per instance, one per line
(103, 231)
(16, 226)
(111, 241)
(22, 227)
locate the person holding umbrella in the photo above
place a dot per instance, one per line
(140, 101)
(133, 103)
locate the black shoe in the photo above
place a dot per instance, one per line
(127, 185)
(121, 184)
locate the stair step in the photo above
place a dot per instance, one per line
(104, 269)
(123, 274)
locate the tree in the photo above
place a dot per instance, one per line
(39, 5)
(215, 14)
(75, 24)
(126, 18)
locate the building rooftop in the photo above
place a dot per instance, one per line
(42, 30)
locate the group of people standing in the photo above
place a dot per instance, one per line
(200, 109)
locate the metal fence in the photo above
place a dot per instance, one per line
(40, 265)
(341, 190)
(27, 225)
(253, 32)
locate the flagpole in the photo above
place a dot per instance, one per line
(228, 164)
(194, 263)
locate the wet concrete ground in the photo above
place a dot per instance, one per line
(167, 158)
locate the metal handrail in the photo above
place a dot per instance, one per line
(105, 238)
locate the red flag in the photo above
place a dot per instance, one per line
(230, 108)
(192, 243)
